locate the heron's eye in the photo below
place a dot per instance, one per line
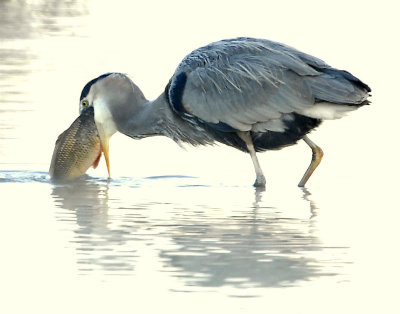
(85, 103)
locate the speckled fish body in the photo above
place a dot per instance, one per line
(76, 149)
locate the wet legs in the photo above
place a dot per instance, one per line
(260, 179)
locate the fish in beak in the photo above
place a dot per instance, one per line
(77, 149)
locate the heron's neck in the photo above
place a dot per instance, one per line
(155, 117)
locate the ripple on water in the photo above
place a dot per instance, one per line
(23, 176)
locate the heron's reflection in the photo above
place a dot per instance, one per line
(82, 192)
(260, 244)
(308, 197)
(263, 248)
(84, 202)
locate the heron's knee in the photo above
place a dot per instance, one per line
(317, 153)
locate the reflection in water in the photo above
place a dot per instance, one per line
(257, 248)
(82, 193)
(307, 197)
(97, 243)
(28, 19)
(202, 244)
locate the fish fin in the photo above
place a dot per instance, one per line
(96, 162)
(60, 137)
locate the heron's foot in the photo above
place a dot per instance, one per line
(260, 181)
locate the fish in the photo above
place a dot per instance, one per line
(76, 149)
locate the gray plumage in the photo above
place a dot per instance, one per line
(245, 82)
(252, 94)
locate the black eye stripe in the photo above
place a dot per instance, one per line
(86, 89)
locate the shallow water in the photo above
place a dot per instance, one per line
(176, 231)
(207, 236)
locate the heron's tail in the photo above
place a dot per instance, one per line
(338, 87)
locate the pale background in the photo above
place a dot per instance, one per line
(146, 40)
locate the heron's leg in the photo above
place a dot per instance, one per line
(317, 154)
(260, 179)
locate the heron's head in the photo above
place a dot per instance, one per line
(113, 97)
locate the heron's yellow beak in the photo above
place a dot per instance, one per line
(106, 156)
(106, 128)
(104, 140)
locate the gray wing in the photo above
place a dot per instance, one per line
(253, 84)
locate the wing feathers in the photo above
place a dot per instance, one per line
(254, 84)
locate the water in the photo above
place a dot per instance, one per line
(184, 231)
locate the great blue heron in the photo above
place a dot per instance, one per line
(252, 94)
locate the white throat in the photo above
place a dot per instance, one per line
(103, 118)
